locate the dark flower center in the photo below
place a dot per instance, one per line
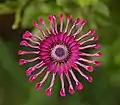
(60, 52)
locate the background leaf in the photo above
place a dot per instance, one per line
(86, 2)
(102, 9)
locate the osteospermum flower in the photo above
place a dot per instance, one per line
(60, 52)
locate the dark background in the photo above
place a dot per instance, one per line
(16, 16)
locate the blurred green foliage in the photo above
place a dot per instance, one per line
(17, 16)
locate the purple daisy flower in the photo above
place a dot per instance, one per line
(60, 52)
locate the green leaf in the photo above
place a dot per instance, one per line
(115, 79)
(115, 46)
(83, 3)
(39, 97)
(37, 9)
(106, 55)
(17, 19)
(101, 21)
(13, 77)
(62, 2)
(93, 25)
(37, 32)
(117, 59)
(102, 8)
(36, 97)
(4, 9)
(22, 3)
(9, 63)
(31, 12)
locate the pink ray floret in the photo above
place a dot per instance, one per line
(61, 52)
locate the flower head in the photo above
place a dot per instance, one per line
(60, 52)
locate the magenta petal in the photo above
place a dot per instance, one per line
(68, 65)
(56, 38)
(75, 47)
(24, 43)
(79, 86)
(26, 35)
(97, 46)
(62, 92)
(61, 37)
(41, 20)
(45, 46)
(97, 63)
(61, 16)
(72, 63)
(71, 91)
(29, 71)
(60, 69)
(65, 68)
(51, 67)
(48, 91)
(75, 51)
(70, 17)
(67, 39)
(47, 60)
(89, 78)
(77, 21)
(99, 53)
(70, 41)
(49, 40)
(64, 38)
(83, 22)
(44, 49)
(38, 86)
(20, 52)
(55, 68)
(90, 68)
(35, 23)
(44, 57)
(95, 37)
(22, 61)
(32, 77)
(73, 44)
(44, 53)
(92, 32)
(74, 57)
